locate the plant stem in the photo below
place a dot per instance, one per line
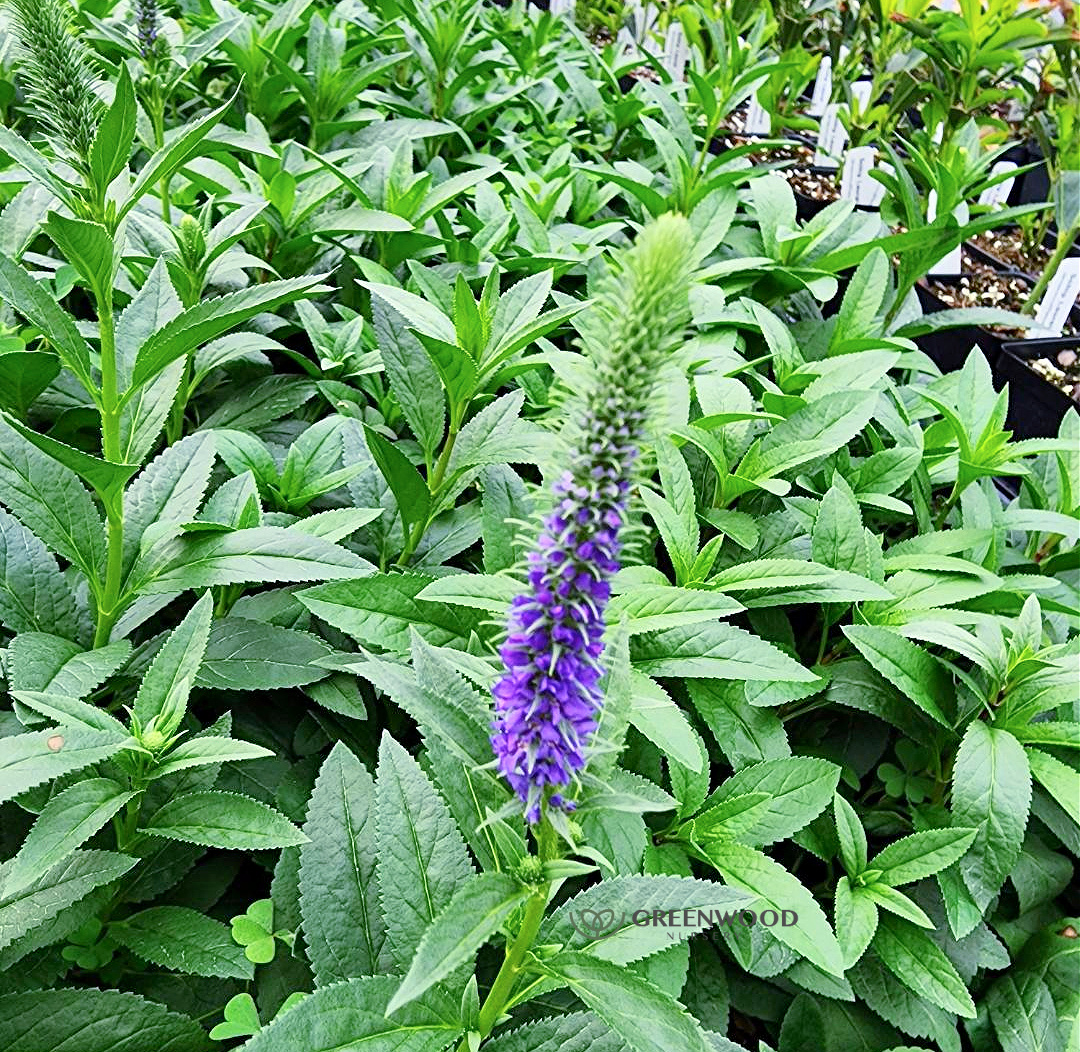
(503, 987)
(1064, 243)
(434, 485)
(110, 446)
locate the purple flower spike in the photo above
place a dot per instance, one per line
(548, 698)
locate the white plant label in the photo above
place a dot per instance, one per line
(831, 138)
(562, 7)
(856, 184)
(953, 262)
(860, 91)
(676, 51)
(822, 88)
(1060, 296)
(998, 194)
(757, 120)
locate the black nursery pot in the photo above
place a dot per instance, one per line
(948, 349)
(1036, 406)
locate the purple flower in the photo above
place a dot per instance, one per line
(548, 698)
(546, 703)
(146, 27)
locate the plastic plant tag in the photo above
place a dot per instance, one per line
(822, 88)
(831, 138)
(998, 194)
(860, 91)
(562, 7)
(676, 51)
(757, 120)
(856, 183)
(950, 264)
(1060, 295)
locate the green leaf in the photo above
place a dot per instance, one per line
(991, 791)
(714, 651)
(63, 885)
(251, 655)
(422, 859)
(168, 159)
(206, 320)
(575, 1032)
(923, 968)
(408, 486)
(27, 760)
(897, 902)
(856, 919)
(615, 903)
(799, 789)
(921, 855)
(106, 478)
(88, 248)
(1024, 1015)
(655, 714)
(1060, 780)
(352, 1015)
(659, 606)
(644, 1017)
(67, 821)
(163, 693)
(342, 919)
(38, 306)
(785, 581)
(111, 147)
(411, 374)
(94, 1021)
(182, 940)
(49, 500)
(852, 836)
(862, 300)
(34, 595)
(225, 820)
(814, 431)
(490, 592)
(777, 889)
(873, 983)
(204, 751)
(41, 662)
(746, 733)
(475, 913)
(169, 489)
(907, 666)
(257, 555)
(23, 376)
(380, 610)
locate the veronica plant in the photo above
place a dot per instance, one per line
(547, 701)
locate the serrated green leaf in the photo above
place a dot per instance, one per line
(182, 940)
(991, 792)
(224, 820)
(343, 922)
(422, 859)
(923, 968)
(643, 1016)
(475, 912)
(94, 1021)
(68, 820)
(27, 760)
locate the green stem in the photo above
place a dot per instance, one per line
(434, 485)
(108, 604)
(1064, 243)
(157, 118)
(502, 988)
